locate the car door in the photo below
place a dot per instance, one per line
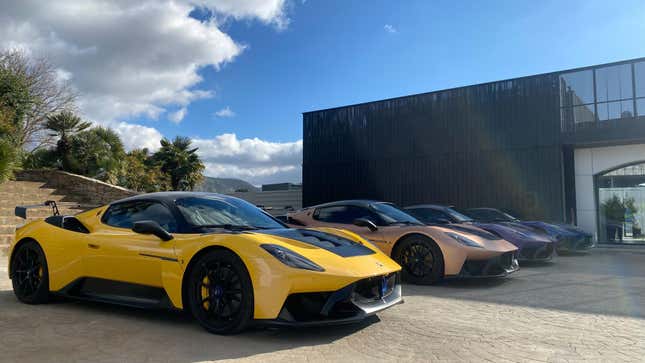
(115, 252)
(343, 216)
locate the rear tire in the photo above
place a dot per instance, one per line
(220, 293)
(421, 260)
(30, 275)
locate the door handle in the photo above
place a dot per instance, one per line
(94, 246)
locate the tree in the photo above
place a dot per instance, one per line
(97, 153)
(180, 162)
(64, 125)
(14, 102)
(141, 173)
(46, 95)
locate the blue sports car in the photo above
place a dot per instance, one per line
(533, 245)
(568, 237)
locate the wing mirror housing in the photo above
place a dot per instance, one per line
(364, 222)
(152, 227)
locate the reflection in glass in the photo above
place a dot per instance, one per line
(621, 203)
(615, 110)
(614, 83)
(639, 74)
(576, 88)
(640, 106)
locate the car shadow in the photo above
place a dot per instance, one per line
(601, 282)
(150, 335)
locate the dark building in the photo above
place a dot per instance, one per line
(535, 146)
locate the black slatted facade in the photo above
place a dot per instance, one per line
(496, 144)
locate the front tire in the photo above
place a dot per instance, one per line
(421, 260)
(220, 293)
(30, 275)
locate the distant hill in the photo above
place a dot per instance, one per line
(224, 185)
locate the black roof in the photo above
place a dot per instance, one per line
(429, 206)
(171, 196)
(354, 202)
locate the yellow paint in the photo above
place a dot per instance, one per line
(122, 255)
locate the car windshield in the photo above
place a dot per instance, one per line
(222, 212)
(491, 215)
(393, 215)
(458, 216)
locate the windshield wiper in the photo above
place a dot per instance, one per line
(230, 227)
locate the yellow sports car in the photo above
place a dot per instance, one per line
(219, 257)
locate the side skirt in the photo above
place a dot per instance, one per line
(117, 292)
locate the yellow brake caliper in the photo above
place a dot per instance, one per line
(40, 272)
(205, 293)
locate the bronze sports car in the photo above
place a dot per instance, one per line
(426, 253)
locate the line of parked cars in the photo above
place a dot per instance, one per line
(432, 242)
(230, 264)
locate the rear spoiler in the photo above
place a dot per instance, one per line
(21, 211)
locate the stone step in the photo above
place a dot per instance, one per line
(40, 212)
(7, 229)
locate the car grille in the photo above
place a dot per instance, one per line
(537, 252)
(375, 288)
(496, 266)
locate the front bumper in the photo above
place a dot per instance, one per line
(498, 266)
(574, 244)
(350, 304)
(537, 252)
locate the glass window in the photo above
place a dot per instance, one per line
(489, 215)
(218, 211)
(615, 110)
(391, 214)
(344, 214)
(640, 106)
(576, 88)
(639, 69)
(429, 215)
(614, 83)
(124, 215)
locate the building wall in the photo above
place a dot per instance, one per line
(590, 162)
(496, 144)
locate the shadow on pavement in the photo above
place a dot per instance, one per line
(602, 282)
(153, 335)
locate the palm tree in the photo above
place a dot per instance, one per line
(178, 160)
(64, 125)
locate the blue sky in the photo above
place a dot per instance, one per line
(335, 53)
(152, 69)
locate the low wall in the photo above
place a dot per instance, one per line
(82, 188)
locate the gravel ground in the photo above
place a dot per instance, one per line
(578, 308)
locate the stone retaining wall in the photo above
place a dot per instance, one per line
(81, 188)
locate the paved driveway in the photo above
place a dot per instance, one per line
(579, 308)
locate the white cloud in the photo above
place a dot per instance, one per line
(390, 28)
(178, 115)
(225, 112)
(255, 160)
(129, 59)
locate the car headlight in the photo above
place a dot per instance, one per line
(290, 258)
(464, 240)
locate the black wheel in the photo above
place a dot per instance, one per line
(30, 274)
(421, 260)
(220, 293)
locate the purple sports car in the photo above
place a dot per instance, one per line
(568, 237)
(533, 245)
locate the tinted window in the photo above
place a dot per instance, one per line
(429, 216)
(576, 88)
(344, 214)
(391, 214)
(639, 75)
(124, 215)
(615, 110)
(219, 211)
(489, 215)
(614, 83)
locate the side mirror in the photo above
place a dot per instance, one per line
(152, 227)
(364, 222)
